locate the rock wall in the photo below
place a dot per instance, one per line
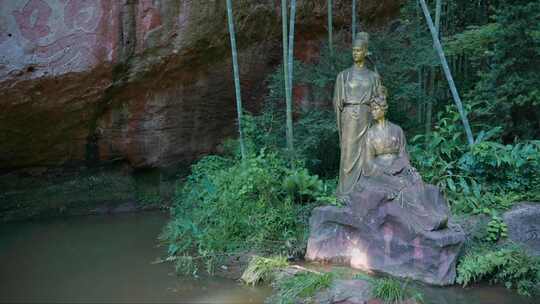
(145, 81)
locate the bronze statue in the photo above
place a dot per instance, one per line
(354, 91)
(392, 221)
(389, 176)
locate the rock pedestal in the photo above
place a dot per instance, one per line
(382, 239)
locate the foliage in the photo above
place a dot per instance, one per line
(509, 88)
(262, 270)
(316, 137)
(320, 76)
(490, 176)
(318, 142)
(476, 41)
(303, 186)
(301, 286)
(510, 266)
(228, 206)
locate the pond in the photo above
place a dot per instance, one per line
(109, 259)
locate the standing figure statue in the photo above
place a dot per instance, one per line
(355, 89)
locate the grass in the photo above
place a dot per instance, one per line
(301, 286)
(391, 290)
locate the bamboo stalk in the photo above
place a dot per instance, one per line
(330, 27)
(438, 8)
(290, 70)
(420, 94)
(291, 43)
(429, 110)
(353, 21)
(288, 132)
(448, 74)
(236, 77)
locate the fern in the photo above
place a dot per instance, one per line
(509, 266)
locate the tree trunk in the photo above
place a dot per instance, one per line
(236, 77)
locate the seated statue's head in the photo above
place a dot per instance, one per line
(360, 47)
(379, 106)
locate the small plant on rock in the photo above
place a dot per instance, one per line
(393, 291)
(496, 229)
(262, 270)
(301, 286)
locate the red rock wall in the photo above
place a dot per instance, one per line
(145, 81)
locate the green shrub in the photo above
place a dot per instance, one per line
(509, 266)
(488, 175)
(303, 186)
(228, 206)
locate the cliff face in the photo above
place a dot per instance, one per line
(145, 81)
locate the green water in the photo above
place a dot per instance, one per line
(104, 259)
(101, 259)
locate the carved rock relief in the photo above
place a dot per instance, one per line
(53, 37)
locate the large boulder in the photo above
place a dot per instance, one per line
(144, 81)
(384, 241)
(523, 222)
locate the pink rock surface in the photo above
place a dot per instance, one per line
(383, 243)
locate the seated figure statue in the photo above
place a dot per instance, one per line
(392, 221)
(388, 175)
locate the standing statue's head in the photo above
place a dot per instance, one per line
(379, 106)
(360, 48)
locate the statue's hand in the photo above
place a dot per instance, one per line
(393, 169)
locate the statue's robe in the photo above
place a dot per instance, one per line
(389, 177)
(354, 91)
